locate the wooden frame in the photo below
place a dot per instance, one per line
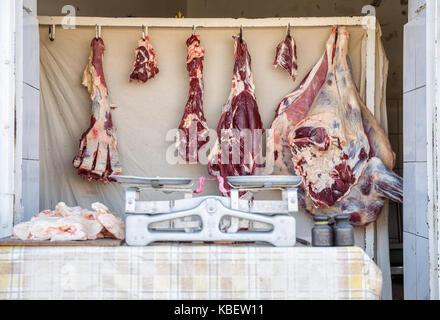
(368, 22)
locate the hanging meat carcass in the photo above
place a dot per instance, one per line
(97, 157)
(343, 156)
(193, 131)
(329, 146)
(144, 66)
(237, 150)
(294, 107)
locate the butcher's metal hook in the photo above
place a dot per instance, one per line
(144, 32)
(52, 32)
(97, 32)
(288, 29)
(194, 30)
(241, 33)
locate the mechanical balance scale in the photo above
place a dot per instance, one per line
(234, 219)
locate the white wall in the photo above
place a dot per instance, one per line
(415, 228)
(7, 123)
(31, 114)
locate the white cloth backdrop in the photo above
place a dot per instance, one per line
(146, 112)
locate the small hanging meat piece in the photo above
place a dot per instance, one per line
(237, 151)
(193, 131)
(97, 157)
(285, 56)
(144, 67)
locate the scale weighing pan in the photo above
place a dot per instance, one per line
(267, 181)
(156, 182)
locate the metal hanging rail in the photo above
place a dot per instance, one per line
(366, 21)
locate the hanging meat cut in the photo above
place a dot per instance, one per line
(329, 146)
(293, 108)
(97, 157)
(193, 131)
(71, 223)
(144, 66)
(365, 200)
(343, 156)
(285, 56)
(237, 150)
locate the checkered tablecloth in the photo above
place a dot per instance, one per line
(187, 272)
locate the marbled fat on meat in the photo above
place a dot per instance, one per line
(97, 157)
(237, 150)
(365, 200)
(193, 131)
(285, 56)
(145, 65)
(329, 146)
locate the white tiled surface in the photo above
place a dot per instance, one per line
(409, 126)
(410, 266)
(31, 121)
(415, 242)
(31, 114)
(409, 56)
(420, 49)
(30, 197)
(421, 199)
(414, 53)
(31, 50)
(409, 197)
(420, 124)
(422, 257)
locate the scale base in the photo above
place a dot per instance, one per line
(211, 213)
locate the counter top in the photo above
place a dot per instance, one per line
(187, 272)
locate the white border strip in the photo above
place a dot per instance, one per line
(370, 230)
(433, 152)
(207, 22)
(7, 118)
(18, 188)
